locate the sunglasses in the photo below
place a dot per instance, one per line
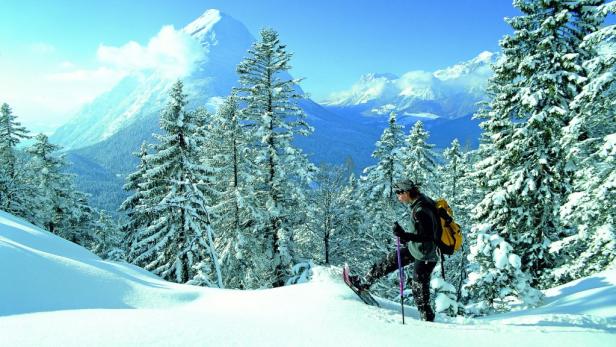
(398, 192)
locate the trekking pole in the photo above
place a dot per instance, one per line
(401, 279)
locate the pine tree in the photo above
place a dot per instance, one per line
(60, 208)
(419, 160)
(46, 167)
(458, 190)
(498, 281)
(179, 239)
(453, 172)
(11, 133)
(12, 198)
(523, 167)
(281, 170)
(349, 245)
(590, 139)
(135, 206)
(235, 214)
(377, 195)
(108, 244)
(326, 218)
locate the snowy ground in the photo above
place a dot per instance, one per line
(55, 293)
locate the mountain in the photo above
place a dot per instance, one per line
(215, 44)
(101, 140)
(56, 293)
(449, 93)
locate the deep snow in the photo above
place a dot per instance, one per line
(55, 293)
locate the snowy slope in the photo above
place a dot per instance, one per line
(55, 293)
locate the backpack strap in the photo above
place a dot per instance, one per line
(442, 262)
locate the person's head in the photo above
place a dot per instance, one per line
(406, 190)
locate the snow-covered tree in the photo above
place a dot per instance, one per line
(389, 167)
(108, 243)
(12, 198)
(179, 239)
(452, 173)
(590, 139)
(380, 205)
(522, 171)
(459, 190)
(498, 282)
(349, 244)
(419, 160)
(236, 215)
(326, 217)
(135, 206)
(281, 171)
(58, 206)
(11, 133)
(445, 298)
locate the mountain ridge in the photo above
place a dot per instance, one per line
(451, 92)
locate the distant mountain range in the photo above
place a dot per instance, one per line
(448, 93)
(105, 133)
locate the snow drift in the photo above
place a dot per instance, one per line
(55, 293)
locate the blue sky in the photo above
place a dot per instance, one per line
(334, 41)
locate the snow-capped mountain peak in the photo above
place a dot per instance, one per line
(210, 47)
(451, 92)
(369, 87)
(204, 24)
(480, 65)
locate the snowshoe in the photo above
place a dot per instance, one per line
(359, 288)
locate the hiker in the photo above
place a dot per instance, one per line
(420, 248)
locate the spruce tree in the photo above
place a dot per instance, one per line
(379, 201)
(229, 156)
(135, 206)
(458, 190)
(60, 208)
(523, 167)
(11, 133)
(326, 217)
(108, 243)
(419, 160)
(497, 281)
(12, 196)
(349, 245)
(175, 187)
(590, 139)
(452, 173)
(281, 171)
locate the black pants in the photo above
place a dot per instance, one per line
(420, 282)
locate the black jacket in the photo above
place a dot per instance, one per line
(421, 238)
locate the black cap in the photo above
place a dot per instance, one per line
(405, 185)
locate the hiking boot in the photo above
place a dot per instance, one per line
(359, 282)
(421, 295)
(427, 314)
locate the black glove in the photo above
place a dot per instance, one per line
(397, 230)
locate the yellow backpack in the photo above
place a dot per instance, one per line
(449, 234)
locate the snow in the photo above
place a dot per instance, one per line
(204, 24)
(426, 115)
(462, 84)
(55, 293)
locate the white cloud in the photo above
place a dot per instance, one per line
(67, 65)
(171, 53)
(415, 82)
(102, 74)
(50, 91)
(42, 48)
